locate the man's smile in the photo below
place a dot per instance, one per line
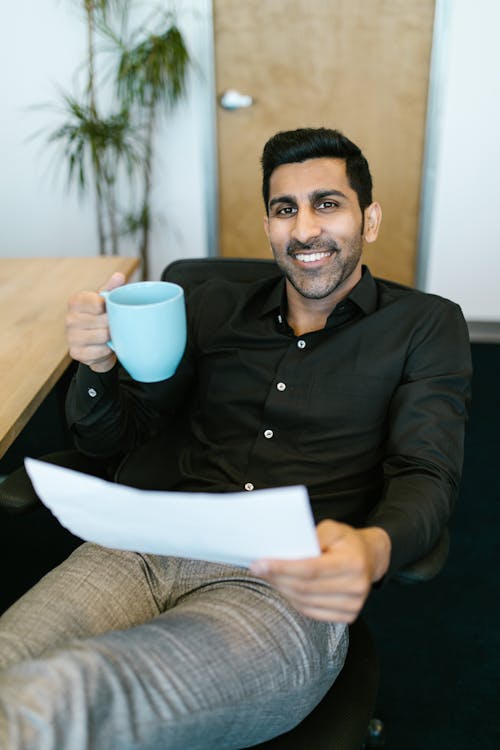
(312, 254)
(312, 257)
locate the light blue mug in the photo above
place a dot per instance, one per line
(147, 321)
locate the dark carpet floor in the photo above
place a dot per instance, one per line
(440, 642)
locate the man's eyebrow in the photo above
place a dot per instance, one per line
(314, 196)
(281, 199)
(318, 194)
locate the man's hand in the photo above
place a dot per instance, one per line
(335, 585)
(87, 327)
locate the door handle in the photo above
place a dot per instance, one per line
(233, 99)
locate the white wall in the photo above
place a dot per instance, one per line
(460, 243)
(42, 44)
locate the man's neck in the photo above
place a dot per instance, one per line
(305, 315)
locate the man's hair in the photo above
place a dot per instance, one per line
(292, 146)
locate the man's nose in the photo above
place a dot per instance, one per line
(306, 226)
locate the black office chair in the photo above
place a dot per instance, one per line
(343, 720)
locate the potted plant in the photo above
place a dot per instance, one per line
(107, 135)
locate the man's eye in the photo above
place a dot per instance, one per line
(328, 204)
(285, 211)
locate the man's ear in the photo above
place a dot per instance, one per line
(266, 225)
(373, 218)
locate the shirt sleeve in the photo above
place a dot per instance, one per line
(110, 414)
(427, 418)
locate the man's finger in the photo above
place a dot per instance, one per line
(85, 320)
(308, 568)
(329, 615)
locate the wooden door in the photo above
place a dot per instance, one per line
(361, 66)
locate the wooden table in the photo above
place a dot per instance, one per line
(33, 352)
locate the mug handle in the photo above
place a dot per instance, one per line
(104, 293)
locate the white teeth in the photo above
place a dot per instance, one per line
(311, 257)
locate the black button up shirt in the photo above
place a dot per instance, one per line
(368, 412)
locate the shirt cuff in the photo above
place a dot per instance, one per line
(91, 389)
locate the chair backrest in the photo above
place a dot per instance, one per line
(191, 272)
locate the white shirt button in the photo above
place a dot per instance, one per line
(268, 434)
(249, 486)
(92, 392)
(301, 344)
(281, 386)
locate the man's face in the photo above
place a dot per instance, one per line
(315, 226)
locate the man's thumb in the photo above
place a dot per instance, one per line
(329, 532)
(117, 279)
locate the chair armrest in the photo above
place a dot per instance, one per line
(17, 495)
(429, 566)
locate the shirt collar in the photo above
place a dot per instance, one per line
(364, 295)
(275, 299)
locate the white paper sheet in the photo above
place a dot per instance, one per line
(234, 527)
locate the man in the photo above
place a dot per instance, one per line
(353, 386)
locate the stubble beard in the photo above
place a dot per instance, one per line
(318, 283)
